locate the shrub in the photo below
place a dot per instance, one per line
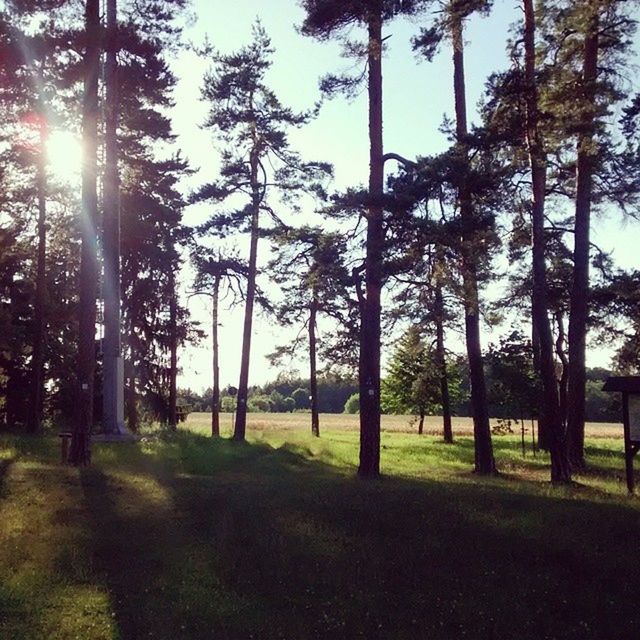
(352, 405)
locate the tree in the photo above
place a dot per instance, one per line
(471, 251)
(352, 405)
(80, 453)
(484, 461)
(588, 43)
(551, 415)
(412, 384)
(310, 268)
(253, 124)
(30, 66)
(213, 272)
(324, 19)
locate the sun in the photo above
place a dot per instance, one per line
(64, 154)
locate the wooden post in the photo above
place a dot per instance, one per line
(628, 453)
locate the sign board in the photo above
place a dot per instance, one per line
(629, 386)
(634, 418)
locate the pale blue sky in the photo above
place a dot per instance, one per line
(416, 96)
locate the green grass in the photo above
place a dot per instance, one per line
(188, 537)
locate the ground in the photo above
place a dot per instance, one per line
(184, 537)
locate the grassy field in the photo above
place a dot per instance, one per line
(201, 423)
(183, 537)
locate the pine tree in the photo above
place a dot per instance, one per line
(412, 384)
(215, 272)
(550, 405)
(310, 268)
(325, 19)
(250, 120)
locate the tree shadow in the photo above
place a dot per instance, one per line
(5, 466)
(219, 539)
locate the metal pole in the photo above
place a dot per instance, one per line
(113, 370)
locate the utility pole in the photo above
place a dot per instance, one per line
(113, 369)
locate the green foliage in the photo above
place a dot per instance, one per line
(310, 268)
(301, 398)
(352, 405)
(412, 384)
(227, 404)
(512, 382)
(260, 404)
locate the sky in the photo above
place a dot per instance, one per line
(417, 95)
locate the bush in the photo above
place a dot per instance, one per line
(259, 404)
(301, 398)
(228, 404)
(352, 405)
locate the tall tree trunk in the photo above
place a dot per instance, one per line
(313, 377)
(550, 404)
(34, 415)
(173, 353)
(369, 374)
(441, 362)
(484, 461)
(580, 288)
(112, 396)
(215, 394)
(80, 453)
(243, 385)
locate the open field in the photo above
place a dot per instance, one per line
(201, 423)
(180, 537)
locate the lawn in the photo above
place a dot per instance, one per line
(184, 536)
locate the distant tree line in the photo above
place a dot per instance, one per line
(337, 394)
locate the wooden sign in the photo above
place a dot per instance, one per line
(634, 417)
(629, 386)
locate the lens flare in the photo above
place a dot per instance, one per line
(64, 153)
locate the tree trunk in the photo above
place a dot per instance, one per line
(132, 402)
(313, 378)
(111, 353)
(421, 422)
(173, 347)
(243, 385)
(215, 394)
(550, 403)
(564, 376)
(34, 415)
(369, 374)
(484, 461)
(580, 288)
(442, 366)
(80, 453)
(535, 345)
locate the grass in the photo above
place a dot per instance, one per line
(184, 537)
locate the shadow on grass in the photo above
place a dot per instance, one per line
(5, 465)
(207, 538)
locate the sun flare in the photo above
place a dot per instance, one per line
(64, 153)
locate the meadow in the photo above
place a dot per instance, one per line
(181, 536)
